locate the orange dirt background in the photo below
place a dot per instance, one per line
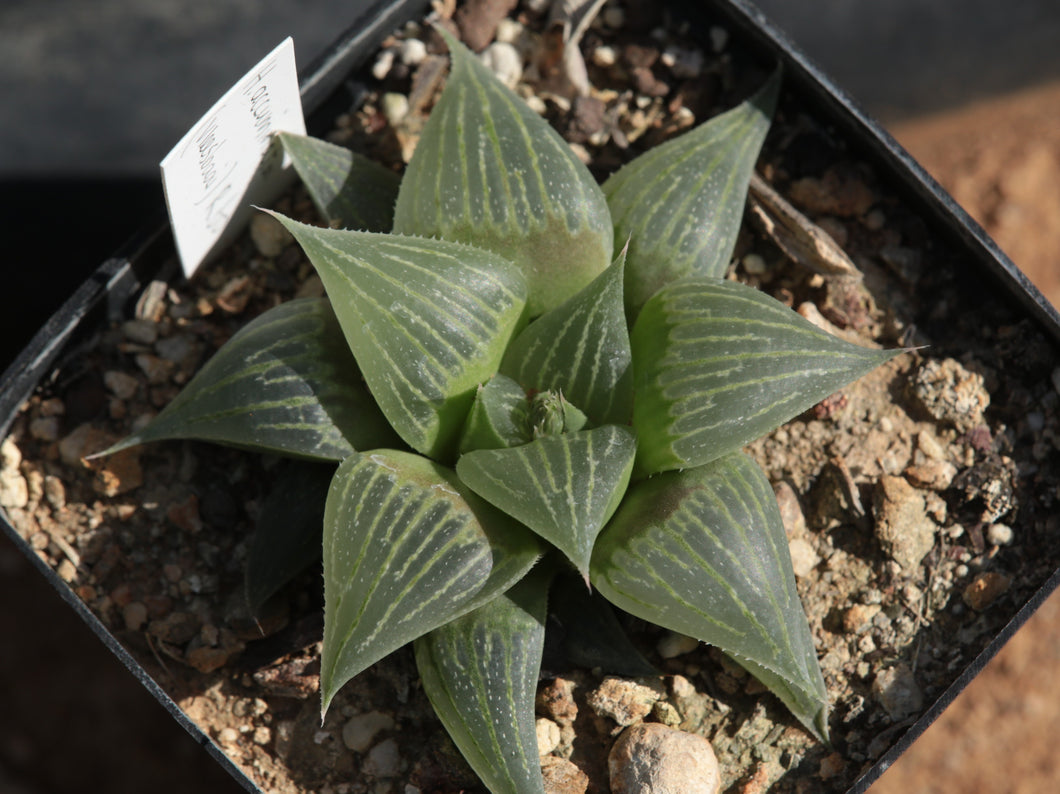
(1000, 159)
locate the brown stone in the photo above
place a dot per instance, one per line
(985, 588)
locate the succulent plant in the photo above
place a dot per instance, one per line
(492, 395)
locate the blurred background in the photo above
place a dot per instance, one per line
(95, 93)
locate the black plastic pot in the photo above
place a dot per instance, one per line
(327, 85)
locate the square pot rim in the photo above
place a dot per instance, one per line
(149, 255)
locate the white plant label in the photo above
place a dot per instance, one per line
(230, 160)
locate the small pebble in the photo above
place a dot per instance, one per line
(229, 736)
(268, 235)
(858, 618)
(927, 444)
(934, 474)
(508, 31)
(754, 264)
(360, 730)
(655, 759)
(951, 393)
(395, 108)
(412, 52)
(144, 332)
(803, 557)
(719, 38)
(561, 776)
(67, 571)
(262, 735)
(624, 701)
(604, 56)
(14, 491)
(1035, 421)
(874, 220)
(384, 760)
(53, 406)
(10, 455)
(54, 492)
(135, 615)
(556, 699)
(504, 61)
(902, 527)
(45, 428)
(548, 735)
(674, 644)
(157, 369)
(999, 534)
(120, 384)
(175, 348)
(684, 64)
(614, 17)
(985, 589)
(791, 514)
(383, 64)
(897, 690)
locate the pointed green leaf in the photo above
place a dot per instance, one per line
(563, 487)
(718, 364)
(680, 204)
(407, 548)
(427, 321)
(285, 383)
(581, 348)
(499, 416)
(347, 188)
(480, 673)
(286, 539)
(703, 552)
(490, 172)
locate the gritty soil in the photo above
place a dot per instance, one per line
(1000, 159)
(919, 502)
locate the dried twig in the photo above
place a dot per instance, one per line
(795, 234)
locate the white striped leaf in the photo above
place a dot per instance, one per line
(499, 417)
(480, 673)
(427, 321)
(680, 204)
(347, 188)
(718, 364)
(284, 383)
(703, 552)
(490, 172)
(563, 487)
(580, 348)
(407, 548)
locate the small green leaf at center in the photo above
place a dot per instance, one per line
(564, 487)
